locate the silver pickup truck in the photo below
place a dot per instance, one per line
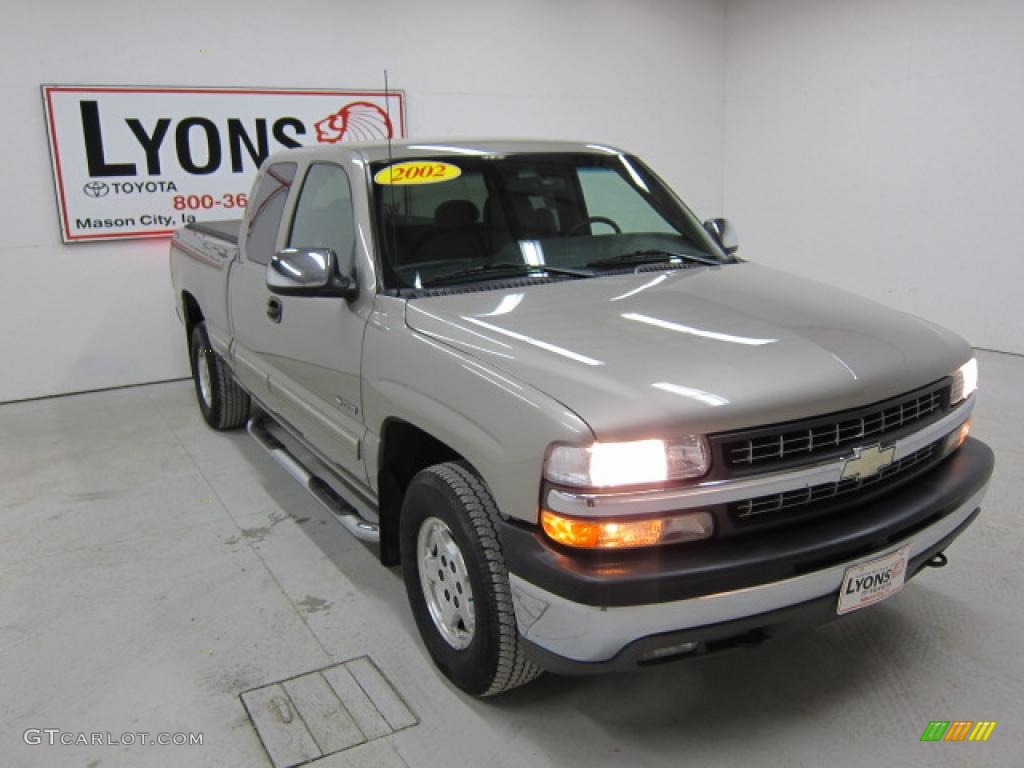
(592, 436)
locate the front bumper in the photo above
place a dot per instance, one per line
(578, 612)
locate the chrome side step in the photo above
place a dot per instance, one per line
(321, 491)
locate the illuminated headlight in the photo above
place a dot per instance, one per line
(604, 465)
(965, 381)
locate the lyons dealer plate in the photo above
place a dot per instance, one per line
(871, 582)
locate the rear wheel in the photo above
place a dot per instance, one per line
(457, 582)
(223, 403)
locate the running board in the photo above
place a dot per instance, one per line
(321, 491)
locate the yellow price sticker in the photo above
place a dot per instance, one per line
(417, 172)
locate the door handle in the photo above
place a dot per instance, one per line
(274, 309)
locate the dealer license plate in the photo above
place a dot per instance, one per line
(871, 582)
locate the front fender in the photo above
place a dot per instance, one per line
(500, 425)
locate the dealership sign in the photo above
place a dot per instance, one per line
(140, 162)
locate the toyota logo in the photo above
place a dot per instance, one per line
(96, 188)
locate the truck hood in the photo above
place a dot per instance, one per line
(702, 350)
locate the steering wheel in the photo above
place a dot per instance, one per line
(594, 220)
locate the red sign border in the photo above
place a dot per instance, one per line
(58, 176)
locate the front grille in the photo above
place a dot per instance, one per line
(788, 443)
(819, 498)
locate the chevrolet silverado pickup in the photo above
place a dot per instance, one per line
(591, 435)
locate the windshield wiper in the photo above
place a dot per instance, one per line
(503, 266)
(651, 257)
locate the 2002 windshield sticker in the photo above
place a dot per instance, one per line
(417, 172)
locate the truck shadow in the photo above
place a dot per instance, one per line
(864, 664)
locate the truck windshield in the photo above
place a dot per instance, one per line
(462, 219)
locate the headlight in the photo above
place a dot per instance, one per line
(965, 381)
(639, 462)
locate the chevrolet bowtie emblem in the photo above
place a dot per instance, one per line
(868, 461)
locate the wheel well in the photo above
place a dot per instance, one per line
(404, 451)
(193, 314)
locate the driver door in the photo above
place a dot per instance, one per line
(314, 356)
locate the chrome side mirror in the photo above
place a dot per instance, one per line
(308, 272)
(724, 234)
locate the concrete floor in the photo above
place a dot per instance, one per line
(151, 570)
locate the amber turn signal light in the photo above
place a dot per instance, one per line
(591, 533)
(965, 430)
(957, 437)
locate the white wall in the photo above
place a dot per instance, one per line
(879, 145)
(647, 75)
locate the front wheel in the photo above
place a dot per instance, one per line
(223, 403)
(457, 582)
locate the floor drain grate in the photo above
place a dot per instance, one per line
(304, 718)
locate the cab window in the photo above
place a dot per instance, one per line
(323, 216)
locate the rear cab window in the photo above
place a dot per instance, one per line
(265, 210)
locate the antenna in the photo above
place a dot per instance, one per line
(387, 111)
(391, 238)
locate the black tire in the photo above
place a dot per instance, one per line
(493, 661)
(227, 404)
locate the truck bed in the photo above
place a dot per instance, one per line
(225, 229)
(201, 255)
